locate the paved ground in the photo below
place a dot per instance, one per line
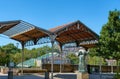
(23, 77)
(65, 75)
(101, 76)
(56, 76)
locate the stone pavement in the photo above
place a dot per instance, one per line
(101, 76)
(65, 75)
(23, 77)
(56, 76)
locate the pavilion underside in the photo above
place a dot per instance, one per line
(31, 35)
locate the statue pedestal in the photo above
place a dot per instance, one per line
(82, 75)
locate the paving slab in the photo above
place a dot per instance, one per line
(56, 76)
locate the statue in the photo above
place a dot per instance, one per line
(82, 64)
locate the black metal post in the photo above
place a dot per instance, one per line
(22, 57)
(60, 58)
(52, 61)
(46, 75)
(10, 74)
(53, 36)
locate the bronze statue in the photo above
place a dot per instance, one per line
(82, 62)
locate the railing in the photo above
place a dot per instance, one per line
(65, 67)
(102, 69)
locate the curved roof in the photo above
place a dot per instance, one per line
(72, 32)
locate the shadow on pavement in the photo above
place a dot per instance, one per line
(66, 76)
(23, 77)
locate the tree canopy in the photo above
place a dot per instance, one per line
(109, 44)
(74, 59)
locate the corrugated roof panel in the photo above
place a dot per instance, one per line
(18, 29)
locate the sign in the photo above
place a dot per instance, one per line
(11, 64)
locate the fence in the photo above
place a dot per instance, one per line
(103, 69)
(73, 68)
(65, 67)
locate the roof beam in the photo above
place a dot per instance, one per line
(28, 36)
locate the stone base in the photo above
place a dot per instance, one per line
(82, 75)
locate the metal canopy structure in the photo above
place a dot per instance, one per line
(28, 34)
(22, 31)
(75, 32)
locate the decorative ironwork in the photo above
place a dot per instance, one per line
(29, 43)
(89, 42)
(42, 40)
(69, 45)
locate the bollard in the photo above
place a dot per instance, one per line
(46, 75)
(10, 74)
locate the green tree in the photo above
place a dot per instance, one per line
(4, 58)
(93, 52)
(109, 41)
(74, 59)
(9, 48)
(16, 58)
(6, 52)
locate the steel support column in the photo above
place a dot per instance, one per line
(60, 58)
(22, 58)
(52, 37)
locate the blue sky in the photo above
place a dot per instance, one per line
(50, 13)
